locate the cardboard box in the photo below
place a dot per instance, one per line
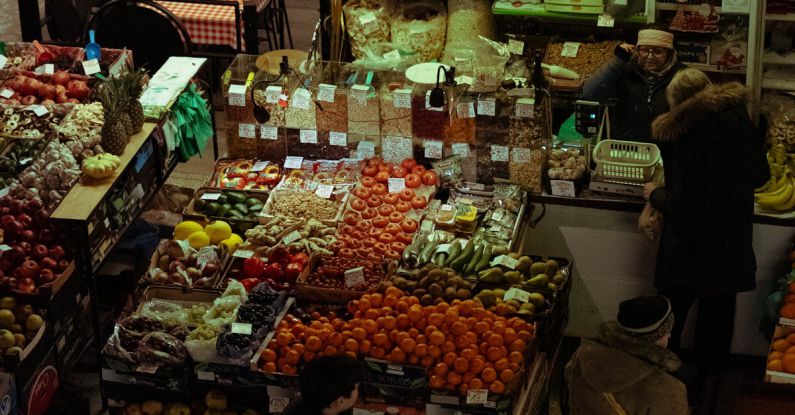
(772, 376)
(190, 212)
(32, 356)
(125, 382)
(393, 383)
(243, 387)
(314, 294)
(48, 298)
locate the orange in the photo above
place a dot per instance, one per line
(394, 291)
(370, 326)
(380, 339)
(515, 357)
(513, 366)
(458, 328)
(477, 364)
(269, 367)
(525, 335)
(506, 375)
(365, 346)
(466, 308)
(435, 319)
(510, 335)
(421, 350)
(393, 336)
(386, 311)
(488, 375)
(377, 353)
(775, 364)
(791, 338)
(351, 345)
(426, 361)
(415, 313)
(449, 358)
(293, 357)
(453, 378)
(436, 338)
(495, 340)
(476, 384)
(497, 387)
(791, 288)
(372, 313)
(390, 323)
(414, 333)
(448, 347)
(359, 333)
(518, 346)
(289, 370)
(480, 327)
(330, 351)
(421, 339)
(313, 343)
(434, 352)
(790, 350)
(789, 363)
(440, 369)
(284, 338)
(376, 299)
(309, 356)
(462, 341)
(390, 300)
(467, 377)
(403, 321)
(408, 345)
(780, 345)
(463, 388)
(397, 355)
(493, 354)
(413, 359)
(402, 335)
(437, 382)
(498, 327)
(402, 306)
(775, 355)
(461, 365)
(788, 310)
(364, 305)
(468, 354)
(501, 364)
(268, 356)
(352, 355)
(789, 298)
(442, 307)
(451, 315)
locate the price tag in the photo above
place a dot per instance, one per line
(428, 103)
(325, 92)
(150, 369)
(237, 95)
(4, 248)
(247, 130)
(354, 277)
(396, 149)
(369, 24)
(433, 149)
(324, 191)
(277, 404)
(210, 196)
(465, 110)
(477, 396)
(205, 376)
(461, 149)
(293, 162)
(46, 69)
(499, 153)
(259, 165)
(301, 99)
(272, 94)
(563, 188)
(487, 106)
(446, 208)
(359, 93)
(268, 132)
(401, 98)
(605, 20)
(291, 237)
(308, 137)
(516, 294)
(396, 184)
(3, 191)
(393, 55)
(443, 248)
(524, 108)
(570, 49)
(6, 93)
(39, 110)
(505, 261)
(365, 150)
(91, 66)
(496, 216)
(520, 155)
(495, 228)
(3, 61)
(243, 254)
(241, 328)
(463, 64)
(338, 139)
(205, 256)
(516, 46)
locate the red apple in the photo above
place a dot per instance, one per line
(77, 89)
(30, 86)
(48, 102)
(62, 265)
(29, 100)
(57, 253)
(61, 97)
(48, 262)
(29, 269)
(61, 77)
(27, 236)
(26, 285)
(47, 91)
(40, 252)
(25, 219)
(46, 276)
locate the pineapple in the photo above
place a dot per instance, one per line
(115, 131)
(132, 85)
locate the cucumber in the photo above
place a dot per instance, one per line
(461, 260)
(225, 208)
(253, 201)
(235, 214)
(485, 259)
(455, 249)
(236, 197)
(474, 261)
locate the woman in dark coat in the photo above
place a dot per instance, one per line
(707, 204)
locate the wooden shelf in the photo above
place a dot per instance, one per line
(713, 68)
(773, 58)
(672, 7)
(780, 17)
(538, 12)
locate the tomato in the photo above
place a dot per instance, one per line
(404, 237)
(369, 213)
(346, 253)
(363, 252)
(397, 246)
(375, 161)
(374, 257)
(400, 172)
(336, 246)
(376, 201)
(386, 210)
(379, 189)
(408, 164)
(403, 207)
(429, 178)
(380, 222)
(413, 181)
(406, 195)
(364, 225)
(387, 167)
(373, 232)
(358, 204)
(361, 192)
(391, 198)
(409, 225)
(346, 229)
(351, 218)
(382, 177)
(367, 181)
(418, 169)
(396, 217)
(370, 171)
(393, 228)
(392, 254)
(360, 235)
(369, 242)
(379, 248)
(418, 202)
(386, 238)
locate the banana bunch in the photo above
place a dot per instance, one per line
(778, 194)
(100, 166)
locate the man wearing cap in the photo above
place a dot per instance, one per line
(626, 368)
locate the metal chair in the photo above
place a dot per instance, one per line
(277, 22)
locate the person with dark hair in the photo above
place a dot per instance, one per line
(329, 386)
(626, 368)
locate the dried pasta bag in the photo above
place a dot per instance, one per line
(427, 122)
(420, 27)
(396, 108)
(366, 22)
(303, 143)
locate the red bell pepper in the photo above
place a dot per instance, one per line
(280, 256)
(292, 271)
(300, 258)
(249, 283)
(274, 271)
(253, 267)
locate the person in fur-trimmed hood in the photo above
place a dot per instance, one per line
(707, 205)
(626, 368)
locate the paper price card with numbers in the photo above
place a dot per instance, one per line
(396, 184)
(293, 162)
(308, 137)
(461, 149)
(505, 261)
(365, 150)
(3, 61)
(517, 294)
(392, 56)
(499, 153)
(240, 253)
(477, 396)
(524, 107)
(396, 149)
(247, 130)
(487, 106)
(272, 94)
(241, 328)
(369, 23)
(301, 99)
(39, 110)
(325, 92)
(268, 132)
(605, 20)
(46, 69)
(291, 237)
(401, 98)
(338, 139)
(570, 49)
(277, 404)
(520, 155)
(210, 196)
(516, 46)
(6, 93)
(205, 376)
(91, 66)
(259, 166)
(354, 277)
(324, 190)
(433, 149)
(237, 95)
(563, 188)
(465, 109)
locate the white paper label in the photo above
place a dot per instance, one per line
(4, 248)
(205, 376)
(301, 99)
(446, 207)
(308, 137)
(393, 55)
(570, 49)
(46, 69)
(605, 20)
(524, 108)
(338, 139)
(369, 25)
(150, 369)
(259, 166)
(6, 93)
(272, 94)
(477, 396)
(428, 103)
(497, 215)
(359, 93)
(277, 404)
(3, 61)
(516, 294)
(206, 255)
(465, 110)
(365, 150)
(241, 328)
(463, 65)
(516, 46)
(324, 191)
(499, 153)
(443, 248)
(621, 2)
(354, 277)
(487, 106)
(293, 162)
(396, 149)
(563, 188)
(401, 98)
(247, 130)
(433, 149)
(291, 237)
(520, 155)
(461, 149)
(210, 196)
(396, 184)
(237, 95)
(325, 92)
(39, 110)
(243, 254)
(268, 132)
(91, 66)
(505, 261)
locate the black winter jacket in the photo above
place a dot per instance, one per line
(708, 199)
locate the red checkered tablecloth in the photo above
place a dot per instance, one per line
(209, 24)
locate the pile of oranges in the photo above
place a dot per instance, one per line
(782, 354)
(461, 345)
(788, 308)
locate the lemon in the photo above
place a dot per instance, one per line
(184, 229)
(198, 240)
(218, 231)
(231, 244)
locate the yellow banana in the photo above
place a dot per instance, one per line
(774, 189)
(789, 204)
(765, 187)
(779, 198)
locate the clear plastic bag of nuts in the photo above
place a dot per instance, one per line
(366, 22)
